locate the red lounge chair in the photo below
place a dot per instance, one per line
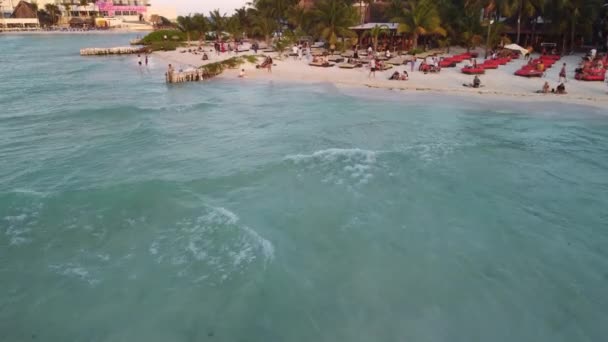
(488, 65)
(599, 78)
(503, 61)
(447, 63)
(529, 73)
(473, 71)
(592, 75)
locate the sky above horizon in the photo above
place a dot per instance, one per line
(201, 6)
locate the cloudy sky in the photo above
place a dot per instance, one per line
(191, 6)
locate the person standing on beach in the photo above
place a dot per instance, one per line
(413, 61)
(269, 64)
(562, 74)
(146, 60)
(372, 68)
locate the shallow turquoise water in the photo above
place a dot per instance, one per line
(224, 211)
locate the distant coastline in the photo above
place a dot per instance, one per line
(43, 32)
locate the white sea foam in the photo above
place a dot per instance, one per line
(215, 242)
(73, 270)
(339, 166)
(19, 226)
(335, 154)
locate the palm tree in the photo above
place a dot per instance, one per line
(375, 32)
(244, 19)
(333, 19)
(299, 18)
(264, 25)
(527, 9)
(201, 25)
(419, 17)
(186, 25)
(68, 6)
(277, 9)
(233, 26)
(218, 22)
(53, 12)
(468, 28)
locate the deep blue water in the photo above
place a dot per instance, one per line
(256, 211)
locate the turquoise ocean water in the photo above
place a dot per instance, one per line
(254, 211)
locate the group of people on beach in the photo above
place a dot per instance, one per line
(222, 47)
(396, 76)
(301, 50)
(560, 89)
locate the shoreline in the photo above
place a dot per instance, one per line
(498, 84)
(92, 32)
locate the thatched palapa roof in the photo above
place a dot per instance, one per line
(24, 10)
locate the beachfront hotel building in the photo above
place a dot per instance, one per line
(133, 11)
(364, 8)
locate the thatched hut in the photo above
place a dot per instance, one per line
(161, 22)
(24, 10)
(77, 22)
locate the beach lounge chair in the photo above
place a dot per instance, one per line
(321, 65)
(527, 72)
(473, 71)
(347, 66)
(335, 59)
(489, 64)
(447, 63)
(592, 75)
(398, 60)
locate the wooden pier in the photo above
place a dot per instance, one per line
(187, 76)
(125, 50)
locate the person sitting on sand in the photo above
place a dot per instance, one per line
(561, 89)
(476, 82)
(546, 88)
(242, 73)
(388, 54)
(404, 76)
(395, 76)
(205, 57)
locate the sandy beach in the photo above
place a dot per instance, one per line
(499, 82)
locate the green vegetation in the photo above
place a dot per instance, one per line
(214, 69)
(163, 46)
(159, 36)
(421, 22)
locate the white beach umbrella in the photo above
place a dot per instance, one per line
(516, 47)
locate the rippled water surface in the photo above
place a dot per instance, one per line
(253, 211)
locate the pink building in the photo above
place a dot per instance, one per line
(128, 9)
